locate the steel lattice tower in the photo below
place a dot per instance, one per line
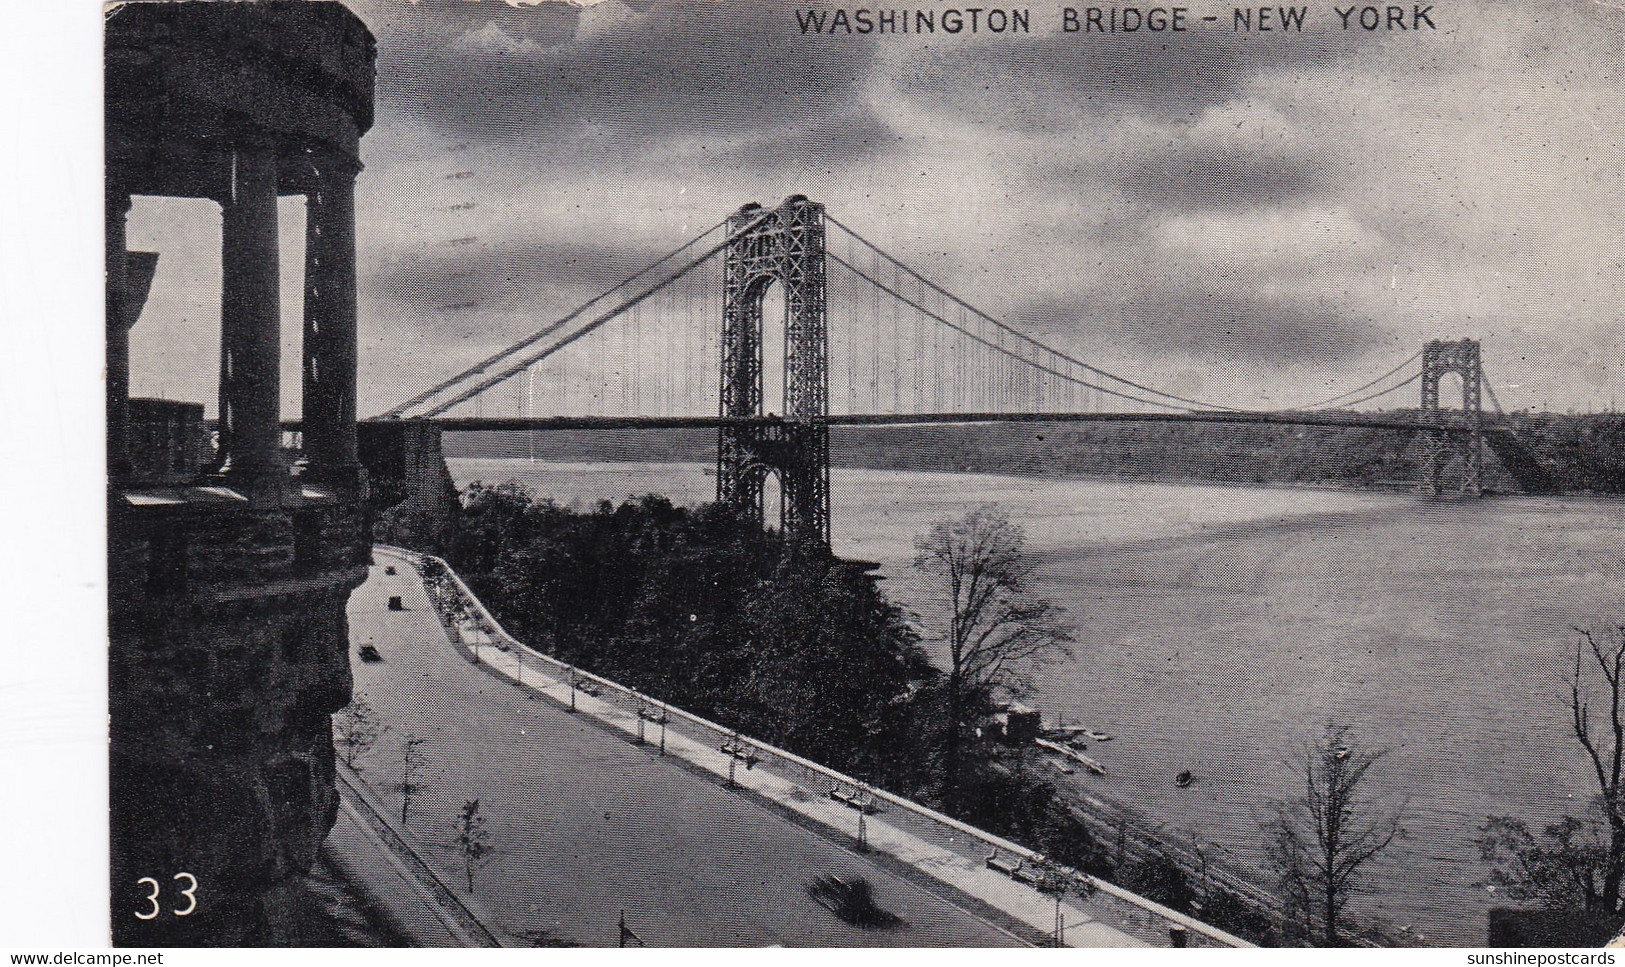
(1461, 357)
(787, 247)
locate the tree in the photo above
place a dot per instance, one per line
(1320, 841)
(1578, 861)
(356, 728)
(473, 840)
(996, 630)
(1605, 749)
(1562, 869)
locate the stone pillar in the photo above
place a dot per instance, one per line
(250, 343)
(118, 336)
(330, 323)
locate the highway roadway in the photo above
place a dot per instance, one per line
(586, 824)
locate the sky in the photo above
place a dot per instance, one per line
(1252, 218)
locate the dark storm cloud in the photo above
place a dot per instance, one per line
(1217, 327)
(450, 279)
(1053, 81)
(826, 144)
(491, 72)
(1190, 176)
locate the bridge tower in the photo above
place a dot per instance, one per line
(1466, 437)
(784, 246)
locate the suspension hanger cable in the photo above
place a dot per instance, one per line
(1362, 387)
(547, 330)
(1102, 373)
(1012, 354)
(600, 320)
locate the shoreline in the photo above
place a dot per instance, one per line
(1395, 488)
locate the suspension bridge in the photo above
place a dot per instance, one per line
(776, 324)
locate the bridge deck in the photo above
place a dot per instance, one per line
(1266, 418)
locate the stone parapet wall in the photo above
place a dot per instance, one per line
(229, 654)
(223, 758)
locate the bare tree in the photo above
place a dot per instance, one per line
(1320, 841)
(473, 840)
(996, 630)
(355, 729)
(1577, 862)
(1605, 746)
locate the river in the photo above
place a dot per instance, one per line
(1218, 628)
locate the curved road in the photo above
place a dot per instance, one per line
(586, 824)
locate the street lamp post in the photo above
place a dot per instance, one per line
(1058, 881)
(735, 749)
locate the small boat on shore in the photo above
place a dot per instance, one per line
(1074, 755)
(1067, 733)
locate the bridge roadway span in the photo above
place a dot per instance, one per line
(586, 824)
(1271, 418)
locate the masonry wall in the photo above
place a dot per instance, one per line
(229, 654)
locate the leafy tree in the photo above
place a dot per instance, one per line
(1563, 868)
(832, 661)
(995, 629)
(1577, 862)
(492, 519)
(1321, 841)
(1157, 876)
(356, 728)
(473, 840)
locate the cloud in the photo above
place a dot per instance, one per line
(1217, 327)
(532, 278)
(1189, 175)
(1210, 202)
(489, 71)
(1061, 80)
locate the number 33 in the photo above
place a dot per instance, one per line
(189, 893)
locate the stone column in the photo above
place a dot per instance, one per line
(118, 336)
(330, 323)
(250, 343)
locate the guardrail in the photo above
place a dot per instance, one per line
(463, 916)
(771, 757)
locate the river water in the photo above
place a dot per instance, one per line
(1218, 628)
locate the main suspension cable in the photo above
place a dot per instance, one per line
(997, 348)
(547, 330)
(1104, 374)
(599, 321)
(1363, 387)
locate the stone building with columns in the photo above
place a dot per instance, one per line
(230, 564)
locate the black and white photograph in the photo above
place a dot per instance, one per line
(744, 473)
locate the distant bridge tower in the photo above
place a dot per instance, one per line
(1466, 437)
(784, 246)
